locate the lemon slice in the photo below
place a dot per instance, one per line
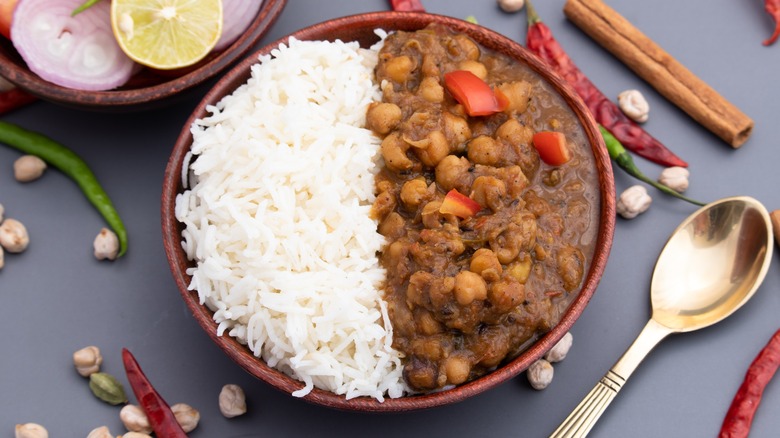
(166, 34)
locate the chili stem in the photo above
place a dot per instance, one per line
(69, 163)
(623, 159)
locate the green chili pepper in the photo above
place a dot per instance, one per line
(623, 159)
(70, 164)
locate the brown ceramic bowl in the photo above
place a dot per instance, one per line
(360, 28)
(146, 89)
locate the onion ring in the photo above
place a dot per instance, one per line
(76, 52)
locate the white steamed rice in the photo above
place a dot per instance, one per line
(277, 220)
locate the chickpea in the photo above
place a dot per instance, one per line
(383, 117)
(383, 205)
(520, 270)
(413, 192)
(484, 150)
(518, 93)
(515, 180)
(428, 348)
(438, 148)
(507, 244)
(475, 67)
(457, 130)
(452, 171)
(419, 283)
(431, 217)
(394, 153)
(399, 68)
(513, 132)
(488, 191)
(392, 226)
(469, 287)
(485, 263)
(429, 66)
(468, 47)
(421, 374)
(440, 291)
(457, 369)
(426, 323)
(431, 90)
(506, 295)
(396, 253)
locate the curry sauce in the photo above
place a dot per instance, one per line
(466, 292)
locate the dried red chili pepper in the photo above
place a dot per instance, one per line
(773, 9)
(743, 407)
(407, 5)
(157, 410)
(13, 99)
(540, 41)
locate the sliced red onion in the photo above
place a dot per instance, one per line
(76, 52)
(237, 15)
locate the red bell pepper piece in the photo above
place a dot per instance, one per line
(474, 93)
(460, 205)
(552, 147)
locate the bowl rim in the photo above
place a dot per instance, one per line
(22, 77)
(399, 21)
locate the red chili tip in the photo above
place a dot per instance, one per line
(771, 40)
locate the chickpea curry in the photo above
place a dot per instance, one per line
(486, 243)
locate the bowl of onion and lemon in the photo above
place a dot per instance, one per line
(116, 56)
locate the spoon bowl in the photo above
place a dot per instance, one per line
(710, 266)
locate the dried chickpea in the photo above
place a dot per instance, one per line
(100, 432)
(87, 360)
(187, 416)
(633, 201)
(634, 105)
(561, 349)
(13, 236)
(232, 401)
(28, 168)
(511, 5)
(540, 374)
(676, 178)
(134, 419)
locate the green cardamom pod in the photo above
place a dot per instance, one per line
(107, 388)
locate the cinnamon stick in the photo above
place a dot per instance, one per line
(661, 70)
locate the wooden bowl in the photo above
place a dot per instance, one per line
(146, 89)
(361, 28)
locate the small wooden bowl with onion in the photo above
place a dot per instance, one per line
(147, 88)
(361, 28)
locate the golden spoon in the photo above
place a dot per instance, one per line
(711, 265)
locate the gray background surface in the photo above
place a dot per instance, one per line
(56, 298)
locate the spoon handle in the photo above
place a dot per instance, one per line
(585, 415)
